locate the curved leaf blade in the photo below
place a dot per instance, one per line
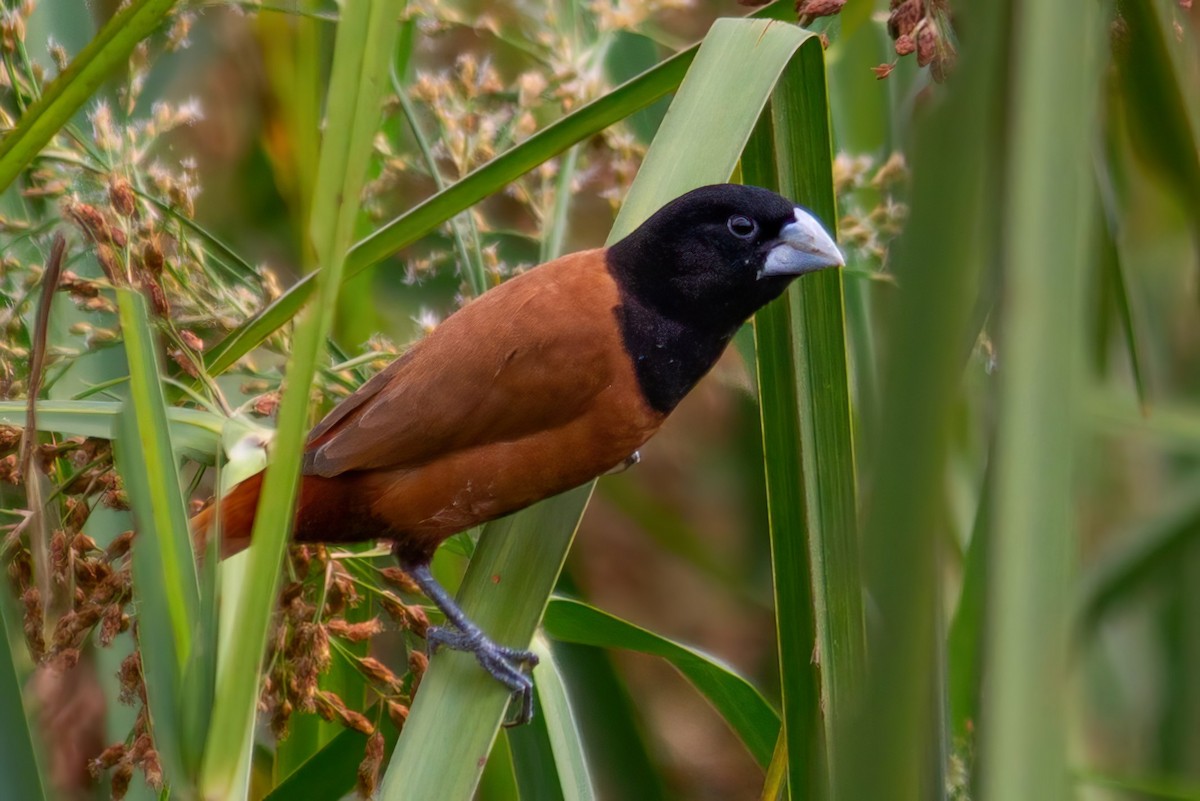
(734, 697)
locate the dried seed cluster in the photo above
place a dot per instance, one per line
(328, 607)
(920, 26)
(867, 191)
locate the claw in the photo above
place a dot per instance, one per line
(503, 663)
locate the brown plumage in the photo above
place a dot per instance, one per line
(539, 385)
(488, 415)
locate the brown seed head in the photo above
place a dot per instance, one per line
(818, 8)
(398, 713)
(354, 632)
(119, 546)
(32, 623)
(10, 436)
(152, 256)
(130, 678)
(401, 580)
(927, 45)
(368, 769)
(152, 770)
(377, 671)
(108, 757)
(120, 195)
(9, 471)
(120, 780)
(106, 257)
(191, 340)
(904, 17)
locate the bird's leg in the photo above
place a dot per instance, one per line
(503, 663)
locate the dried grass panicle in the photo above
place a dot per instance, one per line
(368, 769)
(354, 632)
(397, 713)
(808, 10)
(129, 676)
(922, 27)
(401, 580)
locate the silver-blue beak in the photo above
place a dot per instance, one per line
(803, 246)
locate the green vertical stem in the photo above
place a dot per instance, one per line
(1053, 102)
(891, 740)
(809, 449)
(802, 748)
(362, 50)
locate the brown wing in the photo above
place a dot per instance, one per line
(526, 356)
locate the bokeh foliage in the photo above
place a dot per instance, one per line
(935, 514)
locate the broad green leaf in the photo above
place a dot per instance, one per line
(531, 757)
(568, 757)
(734, 698)
(1053, 98)
(70, 90)
(941, 256)
(19, 764)
(1156, 72)
(808, 448)
(1144, 552)
(195, 430)
(968, 626)
(458, 709)
(164, 571)
(736, 68)
(366, 32)
(330, 772)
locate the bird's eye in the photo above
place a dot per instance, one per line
(742, 227)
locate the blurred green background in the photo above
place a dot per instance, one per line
(1021, 214)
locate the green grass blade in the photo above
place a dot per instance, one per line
(164, 571)
(940, 256)
(531, 758)
(968, 627)
(83, 76)
(362, 51)
(618, 751)
(458, 709)
(331, 772)
(18, 759)
(1053, 98)
(191, 429)
(735, 698)
(1148, 550)
(1157, 73)
(809, 444)
(566, 744)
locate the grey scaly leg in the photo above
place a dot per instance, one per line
(503, 663)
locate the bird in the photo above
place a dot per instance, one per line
(540, 384)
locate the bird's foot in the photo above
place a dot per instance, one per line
(503, 663)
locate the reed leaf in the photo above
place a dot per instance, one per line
(456, 714)
(362, 51)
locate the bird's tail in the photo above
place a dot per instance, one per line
(237, 518)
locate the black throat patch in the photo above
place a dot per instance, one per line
(668, 356)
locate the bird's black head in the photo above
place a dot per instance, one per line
(698, 269)
(719, 253)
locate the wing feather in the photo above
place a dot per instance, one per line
(528, 355)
